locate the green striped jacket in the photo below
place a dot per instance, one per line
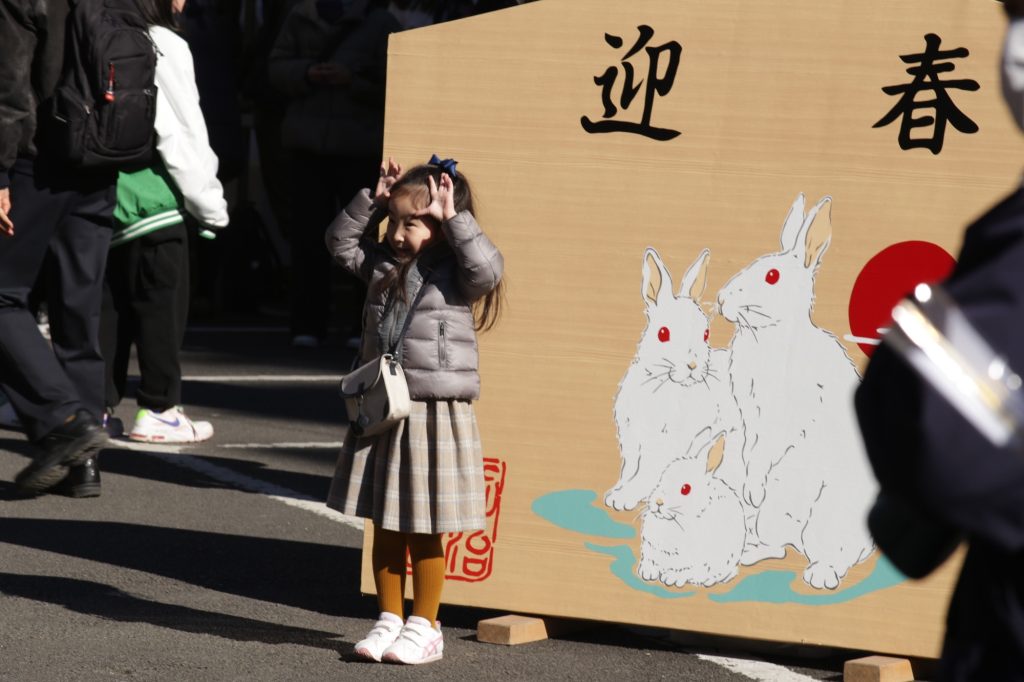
(147, 201)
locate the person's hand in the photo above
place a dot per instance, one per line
(442, 199)
(389, 174)
(6, 226)
(1014, 8)
(327, 73)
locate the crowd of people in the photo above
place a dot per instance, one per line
(305, 81)
(108, 174)
(311, 82)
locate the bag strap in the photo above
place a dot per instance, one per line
(408, 316)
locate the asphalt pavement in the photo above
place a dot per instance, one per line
(218, 561)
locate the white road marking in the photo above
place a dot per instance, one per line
(145, 447)
(172, 454)
(757, 670)
(326, 445)
(253, 378)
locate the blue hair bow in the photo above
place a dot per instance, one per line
(447, 165)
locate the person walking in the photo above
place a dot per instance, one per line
(437, 275)
(46, 205)
(146, 292)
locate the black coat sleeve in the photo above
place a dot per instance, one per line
(919, 446)
(18, 39)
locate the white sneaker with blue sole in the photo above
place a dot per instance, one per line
(169, 426)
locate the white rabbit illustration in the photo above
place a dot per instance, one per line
(806, 472)
(675, 387)
(693, 529)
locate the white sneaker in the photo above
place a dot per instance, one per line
(381, 636)
(169, 426)
(418, 642)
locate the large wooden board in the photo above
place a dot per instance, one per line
(769, 100)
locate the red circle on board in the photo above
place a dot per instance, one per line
(889, 276)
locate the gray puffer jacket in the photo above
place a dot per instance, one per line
(439, 351)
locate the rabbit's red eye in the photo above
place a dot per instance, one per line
(707, 334)
(772, 277)
(685, 490)
(663, 334)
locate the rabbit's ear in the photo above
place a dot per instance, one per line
(794, 223)
(657, 282)
(702, 444)
(696, 277)
(817, 234)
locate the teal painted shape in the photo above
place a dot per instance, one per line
(622, 568)
(775, 587)
(574, 510)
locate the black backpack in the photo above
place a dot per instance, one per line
(103, 110)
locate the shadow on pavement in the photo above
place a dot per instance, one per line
(251, 352)
(287, 402)
(156, 467)
(96, 599)
(315, 577)
(319, 578)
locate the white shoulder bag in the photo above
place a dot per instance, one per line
(376, 394)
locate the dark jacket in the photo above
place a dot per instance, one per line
(333, 121)
(31, 56)
(439, 352)
(923, 451)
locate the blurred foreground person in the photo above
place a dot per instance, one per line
(146, 294)
(930, 461)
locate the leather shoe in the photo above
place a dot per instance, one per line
(83, 480)
(70, 444)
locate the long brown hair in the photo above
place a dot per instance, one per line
(415, 182)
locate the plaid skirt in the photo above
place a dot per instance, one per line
(424, 476)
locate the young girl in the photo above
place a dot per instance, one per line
(425, 477)
(146, 293)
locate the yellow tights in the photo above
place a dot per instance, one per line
(427, 554)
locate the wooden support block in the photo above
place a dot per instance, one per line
(511, 630)
(878, 669)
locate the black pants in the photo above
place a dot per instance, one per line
(145, 302)
(69, 217)
(320, 187)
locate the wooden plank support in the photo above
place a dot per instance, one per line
(878, 669)
(511, 630)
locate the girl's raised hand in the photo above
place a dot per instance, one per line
(389, 174)
(442, 199)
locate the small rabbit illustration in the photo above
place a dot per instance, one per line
(806, 472)
(693, 529)
(675, 387)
